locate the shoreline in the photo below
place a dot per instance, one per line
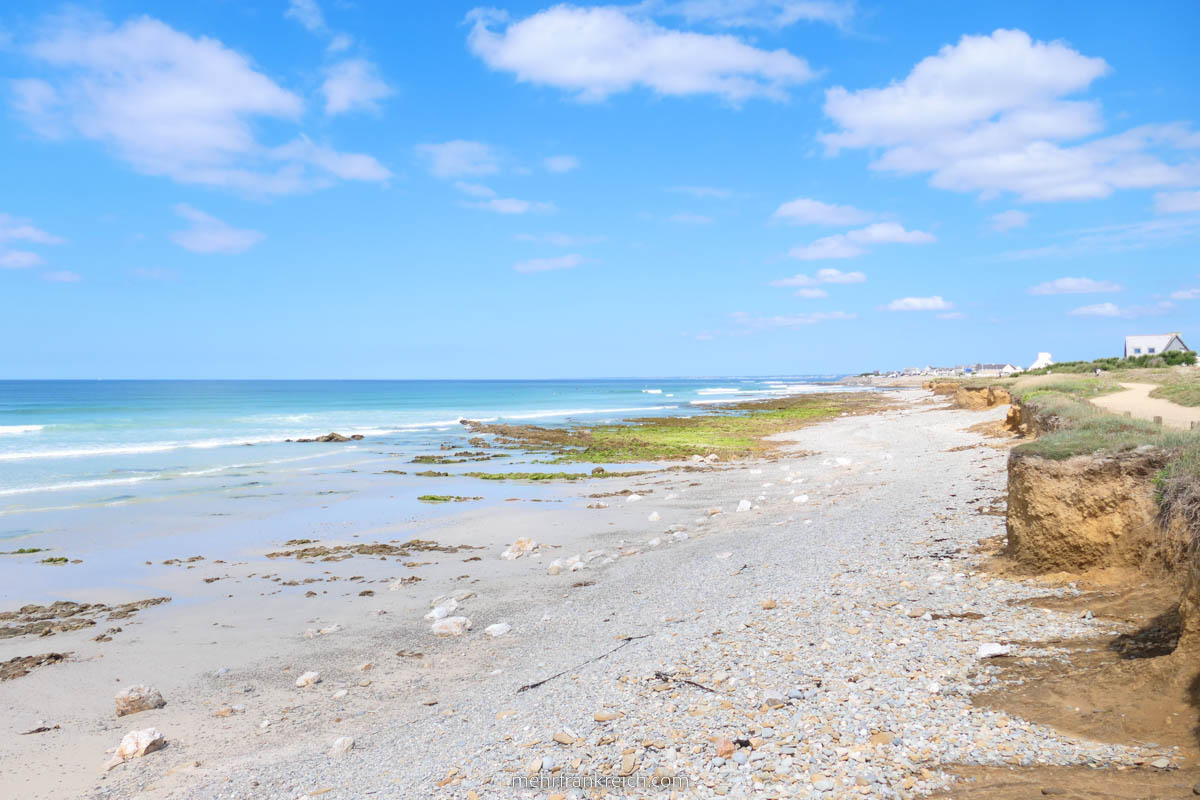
(677, 592)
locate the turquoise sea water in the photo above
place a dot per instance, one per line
(64, 443)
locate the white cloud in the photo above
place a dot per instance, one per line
(557, 239)
(787, 321)
(569, 261)
(308, 14)
(691, 219)
(1113, 310)
(459, 158)
(990, 115)
(1176, 202)
(153, 273)
(490, 200)
(167, 103)
(339, 42)
(603, 50)
(952, 315)
(812, 294)
(1007, 220)
(62, 276)
(702, 192)
(822, 276)
(761, 13)
(806, 211)
(352, 85)
(561, 163)
(211, 235)
(853, 243)
(1075, 286)
(1115, 238)
(1186, 294)
(934, 303)
(17, 229)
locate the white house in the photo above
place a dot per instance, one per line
(1152, 345)
(1043, 360)
(994, 370)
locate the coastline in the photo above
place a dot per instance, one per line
(882, 512)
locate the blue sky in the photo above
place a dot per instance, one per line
(353, 189)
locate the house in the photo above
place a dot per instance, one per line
(994, 370)
(1152, 345)
(1043, 360)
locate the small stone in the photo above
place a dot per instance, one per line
(767, 605)
(654, 517)
(628, 764)
(917, 613)
(340, 693)
(498, 629)
(136, 744)
(740, 757)
(138, 698)
(1052, 790)
(451, 626)
(800, 498)
(632, 498)
(442, 611)
(341, 746)
(519, 548)
(743, 505)
(607, 716)
(311, 678)
(1161, 763)
(562, 737)
(366, 665)
(992, 650)
(724, 748)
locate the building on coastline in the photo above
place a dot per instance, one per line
(1153, 344)
(993, 370)
(1043, 360)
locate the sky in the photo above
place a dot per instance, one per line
(358, 189)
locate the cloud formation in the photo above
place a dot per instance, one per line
(561, 164)
(459, 158)
(855, 243)
(208, 234)
(1075, 286)
(599, 51)
(760, 13)
(806, 211)
(568, 261)
(752, 322)
(934, 303)
(17, 229)
(992, 114)
(170, 105)
(353, 85)
(1007, 220)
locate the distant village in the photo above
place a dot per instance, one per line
(1135, 346)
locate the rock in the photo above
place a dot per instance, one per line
(743, 505)
(597, 470)
(136, 744)
(697, 458)
(366, 665)
(451, 626)
(1052, 790)
(655, 542)
(800, 498)
(724, 748)
(138, 698)
(992, 650)
(341, 746)
(632, 498)
(628, 764)
(654, 517)
(310, 678)
(442, 611)
(1196, 789)
(1161, 763)
(712, 512)
(556, 566)
(332, 437)
(739, 757)
(562, 737)
(607, 716)
(498, 629)
(823, 785)
(680, 536)
(767, 605)
(712, 458)
(774, 699)
(723, 556)
(917, 613)
(598, 504)
(519, 548)
(461, 596)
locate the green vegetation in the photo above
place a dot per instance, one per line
(54, 560)
(1182, 389)
(445, 498)
(24, 551)
(1173, 358)
(429, 473)
(549, 476)
(1178, 490)
(736, 430)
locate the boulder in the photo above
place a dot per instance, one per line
(138, 698)
(519, 548)
(451, 626)
(136, 744)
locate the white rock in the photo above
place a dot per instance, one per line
(341, 746)
(844, 462)
(712, 458)
(632, 498)
(697, 458)
(442, 611)
(462, 595)
(724, 555)
(519, 548)
(556, 566)
(451, 626)
(138, 698)
(800, 498)
(592, 555)
(498, 629)
(992, 649)
(340, 693)
(655, 542)
(310, 678)
(136, 744)
(680, 536)
(654, 517)
(743, 505)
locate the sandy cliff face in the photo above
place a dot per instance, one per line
(977, 398)
(1082, 513)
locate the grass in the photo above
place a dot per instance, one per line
(430, 473)
(54, 560)
(1178, 491)
(734, 431)
(1171, 359)
(1181, 389)
(445, 498)
(24, 551)
(549, 476)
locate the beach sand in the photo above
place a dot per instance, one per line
(835, 637)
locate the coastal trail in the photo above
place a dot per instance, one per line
(1137, 401)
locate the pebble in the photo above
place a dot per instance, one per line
(341, 746)
(310, 678)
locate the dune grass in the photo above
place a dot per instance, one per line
(1181, 388)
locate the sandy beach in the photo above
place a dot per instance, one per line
(821, 641)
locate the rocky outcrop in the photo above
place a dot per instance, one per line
(940, 387)
(977, 398)
(330, 437)
(1083, 513)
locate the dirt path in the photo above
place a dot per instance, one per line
(1137, 401)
